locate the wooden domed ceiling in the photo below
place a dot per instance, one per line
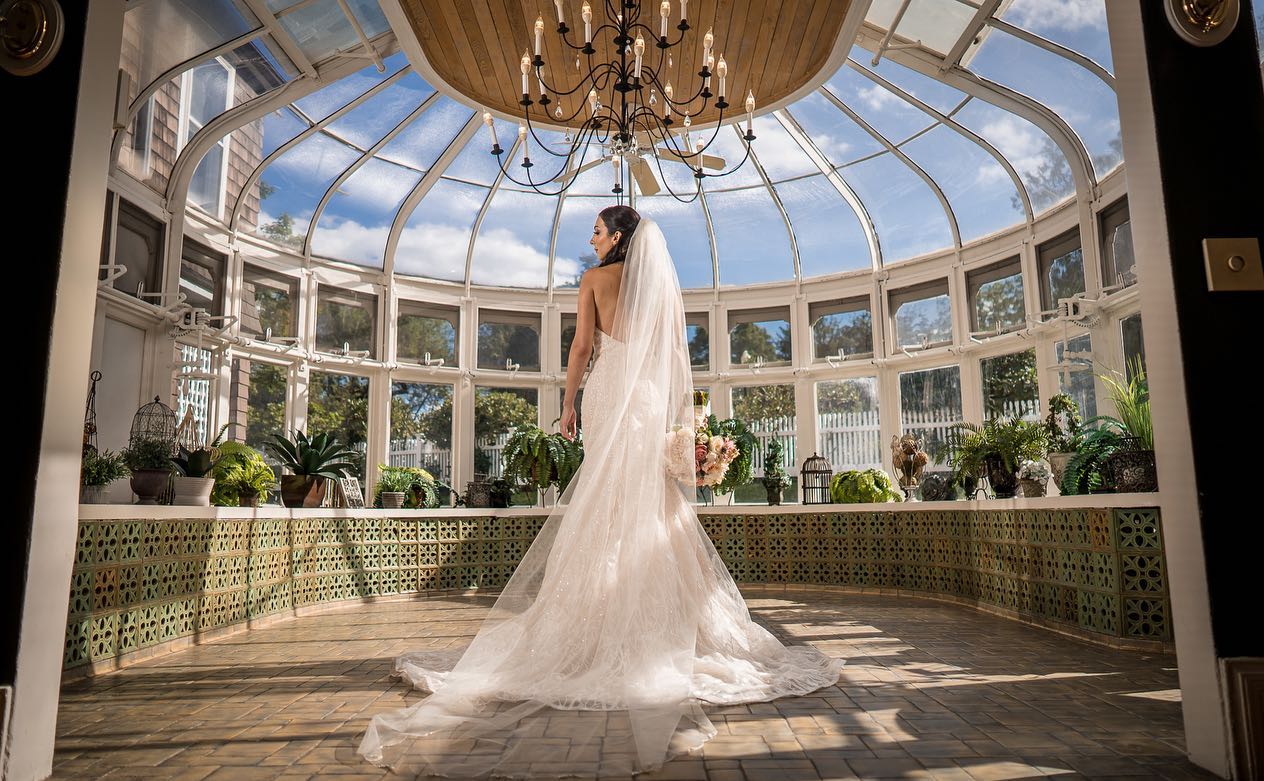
(772, 47)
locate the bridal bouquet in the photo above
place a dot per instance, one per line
(706, 455)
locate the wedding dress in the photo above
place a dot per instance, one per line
(621, 620)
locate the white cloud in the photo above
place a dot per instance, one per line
(877, 97)
(1021, 145)
(1058, 14)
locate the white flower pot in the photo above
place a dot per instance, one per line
(193, 491)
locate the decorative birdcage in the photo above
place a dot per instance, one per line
(154, 421)
(815, 477)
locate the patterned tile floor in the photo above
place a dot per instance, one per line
(930, 691)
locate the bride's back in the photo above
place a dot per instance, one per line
(606, 281)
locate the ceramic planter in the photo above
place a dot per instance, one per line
(1004, 481)
(774, 494)
(393, 500)
(1057, 463)
(149, 485)
(247, 498)
(92, 494)
(193, 491)
(1033, 488)
(303, 490)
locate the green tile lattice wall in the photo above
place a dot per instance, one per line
(140, 583)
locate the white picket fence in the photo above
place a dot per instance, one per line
(494, 447)
(850, 440)
(417, 452)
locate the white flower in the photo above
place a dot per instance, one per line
(1035, 470)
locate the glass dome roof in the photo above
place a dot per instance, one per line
(884, 162)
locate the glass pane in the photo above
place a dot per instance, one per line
(513, 342)
(512, 245)
(1134, 345)
(982, 194)
(827, 231)
(730, 146)
(369, 122)
(935, 23)
(1075, 376)
(699, 346)
(573, 255)
(138, 246)
(1122, 258)
(267, 303)
(1080, 26)
(421, 428)
(1039, 162)
(257, 405)
(200, 282)
(252, 143)
(322, 30)
(345, 320)
(567, 339)
(850, 332)
(420, 334)
(208, 93)
(1064, 276)
(477, 164)
(420, 144)
(1084, 101)
(837, 137)
(1009, 386)
(999, 305)
(930, 91)
(778, 152)
(907, 215)
(338, 404)
(206, 188)
(498, 412)
(685, 227)
(930, 403)
(847, 426)
(359, 215)
(768, 339)
(436, 237)
(750, 237)
(297, 180)
(924, 322)
(161, 34)
(768, 412)
(327, 100)
(882, 109)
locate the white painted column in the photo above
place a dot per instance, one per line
(42, 634)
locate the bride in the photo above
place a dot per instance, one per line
(621, 620)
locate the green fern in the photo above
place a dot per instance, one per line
(537, 459)
(1086, 471)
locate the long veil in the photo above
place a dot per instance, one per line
(589, 661)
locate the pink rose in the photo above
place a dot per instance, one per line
(699, 452)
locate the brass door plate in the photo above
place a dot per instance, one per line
(1233, 264)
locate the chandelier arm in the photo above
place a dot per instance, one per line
(590, 77)
(504, 169)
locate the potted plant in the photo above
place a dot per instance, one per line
(195, 480)
(537, 460)
(1034, 476)
(420, 487)
(741, 469)
(313, 463)
(1065, 431)
(98, 469)
(1086, 472)
(242, 477)
(997, 449)
(775, 478)
(501, 491)
(867, 485)
(150, 463)
(393, 487)
(1131, 466)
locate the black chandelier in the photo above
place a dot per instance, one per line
(627, 123)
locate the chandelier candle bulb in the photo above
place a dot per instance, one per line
(664, 11)
(525, 67)
(750, 111)
(639, 48)
(708, 41)
(710, 68)
(592, 100)
(667, 104)
(539, 33)
(722, 70)
(558, 3)
(587, 14)
(491, 125)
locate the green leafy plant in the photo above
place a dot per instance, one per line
(537, 460)
(968, 446)
(1086, 471)
(774, 471)
(1064, 439)
(102, 467)
(240, 471)
(321, 456)
(742, 469)
(151, 454)
(407, 480)
(1132, 405)
(200, 461)
(502, 492)
(868, 485)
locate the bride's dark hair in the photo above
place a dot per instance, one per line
(623, 219)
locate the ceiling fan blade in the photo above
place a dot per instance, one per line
(713, 162)
(677, 155)
(567, 176)
(644, 176)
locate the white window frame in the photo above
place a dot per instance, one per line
(189, 127)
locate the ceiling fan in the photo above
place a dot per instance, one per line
(639, 167)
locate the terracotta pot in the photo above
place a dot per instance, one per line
(150, 485)
(393, 500)
(303, 490)
(193, 491)
(92, 494)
